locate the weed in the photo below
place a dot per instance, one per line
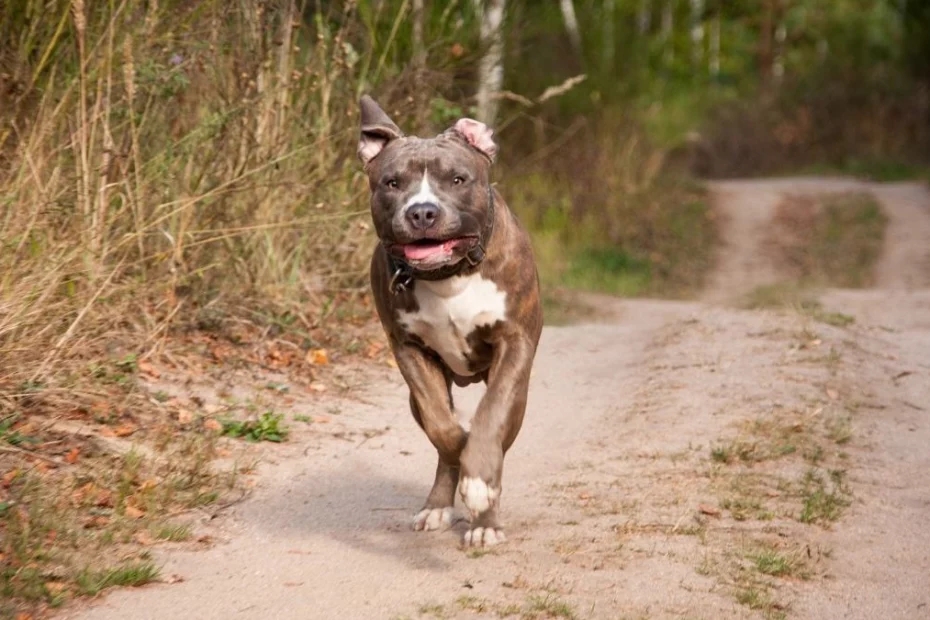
(174, 533)
(90, 582)
(549, 605)
(472, 603)
(267, 427)
(771, 562)
(302, 417)
(824, 497)
(432, 609)
(840, 430)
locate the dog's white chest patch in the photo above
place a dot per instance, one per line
(450, 310)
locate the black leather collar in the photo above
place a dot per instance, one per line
(403, 274)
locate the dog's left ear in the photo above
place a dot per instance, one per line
(477, 134)
(377, 130)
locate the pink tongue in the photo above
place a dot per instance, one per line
(421, 252)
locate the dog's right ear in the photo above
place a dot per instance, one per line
(377, 130)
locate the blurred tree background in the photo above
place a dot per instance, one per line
(159, 159)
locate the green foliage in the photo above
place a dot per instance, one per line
(267, 427)
(91, 581)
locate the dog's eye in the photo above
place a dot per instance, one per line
(392, 183)
(458, 180)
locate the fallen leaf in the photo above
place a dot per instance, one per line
(212, 425)
(143, 538)
(584, 495)
(55, 587)
(133, 513)
(23, 616)
(391, 362)
(185, 416)
(104, 498)
(9, 477)
(709, 510)
(317, 387)
(292, 584)
(321, 419)
(832, 394)
(72, 455)
(317, 357)
(148, 484)
(148, 369)
(96, 521)
(174, 578)
(124, 430)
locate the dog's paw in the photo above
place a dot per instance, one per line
(477, 495)
(484, 537)
(433, 519)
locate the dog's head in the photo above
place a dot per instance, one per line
(430, 197)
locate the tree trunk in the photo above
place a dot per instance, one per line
(607, 45)
(571, 25)
(644, 16)
(668, 25)
(491, 69)
(714, 61)
(419, 51)
(697, 34)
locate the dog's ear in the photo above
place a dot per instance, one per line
(477, 134)
(377, 130)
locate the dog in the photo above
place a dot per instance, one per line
(456, 288)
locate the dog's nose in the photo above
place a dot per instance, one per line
(422, 216)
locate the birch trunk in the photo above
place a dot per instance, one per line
(697, 33)
(668, 24)
(491, 69)
(714, 60)
(571, 24)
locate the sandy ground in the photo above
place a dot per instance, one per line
(612, 503)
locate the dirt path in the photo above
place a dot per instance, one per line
(616, 500)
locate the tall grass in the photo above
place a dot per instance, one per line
(155, 155)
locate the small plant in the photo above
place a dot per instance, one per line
(267, 427)
(825, 498)
(839, 430)
(302, 417)
(721, 454)
(174, 533)
(548, 606)
(771, 562)
(91, 582)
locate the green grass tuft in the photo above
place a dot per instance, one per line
(91, 582)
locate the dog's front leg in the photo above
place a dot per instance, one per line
(493, 430)
(431, 401)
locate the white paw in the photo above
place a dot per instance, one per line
(484, 537)
(477, 495)
(433, 519)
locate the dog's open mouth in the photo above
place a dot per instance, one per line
(432, 249)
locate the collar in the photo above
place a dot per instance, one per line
(403, 275)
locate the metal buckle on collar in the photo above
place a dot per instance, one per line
(475, 255)
(400, 281)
